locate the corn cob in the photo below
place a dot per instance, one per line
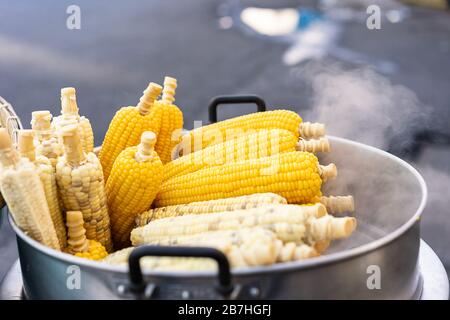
(296, 176)
(47, 176)
(169, 134)
(338, 204)
(244, 247)
(218, 132)
(236, 255)
(320, 145)
(78, 244)
(127, 126)
(70, 115)
(81, 185)
(219, 205)
(132, 186)
(291, 252)
(47, 143)
(258, 144)
(288, 222)
(256, 246)
(161, 263)
(23, 192)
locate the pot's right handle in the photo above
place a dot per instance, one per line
(137, 284)
(234, 99)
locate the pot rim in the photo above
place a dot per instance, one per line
(279, 267)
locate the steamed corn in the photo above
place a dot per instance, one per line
(338, 204)
(127, 126)
(78, 244)
(81, 185)
(46, 140)
(261, 143)
(218, 132)
(169, 134)
(24, 193)
(132, 186)
(243, 248)
(70, 116)
(288, 222)
(46, 174)
(219, 205)
(296, 176)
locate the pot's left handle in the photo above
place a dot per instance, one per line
(137, 284)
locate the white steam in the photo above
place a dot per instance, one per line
(360, 104)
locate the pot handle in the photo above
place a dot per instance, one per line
(137, 284)
(234, 99)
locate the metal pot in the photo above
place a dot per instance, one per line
(378, 262)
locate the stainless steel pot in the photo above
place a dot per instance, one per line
(378, 262)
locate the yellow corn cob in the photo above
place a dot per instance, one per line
(70, 116)
(127, 126)
(47, 175)
(296, 176)
(169, 134)
(289, 222)
(47, 143)
(258, 144)
(261, 143)
(338, 204)
(81, 185)
(219, 205)
(78, 244)
(219, 132)
(23, 192)
(132, 186)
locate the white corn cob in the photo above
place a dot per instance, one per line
(313, 145)
(202, 207)
(70, 115)
(47, 175)
(81, 184)
(292, 252)
(23, 192)
(243, 248)
(46, 141)
(288, 222)
(311, 130)
(338, 204)
(191, 224)
(161, 263)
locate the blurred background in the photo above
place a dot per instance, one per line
(382, 81)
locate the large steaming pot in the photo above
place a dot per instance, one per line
(379, 261)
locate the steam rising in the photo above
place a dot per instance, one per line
(364, 106)
(360, 104)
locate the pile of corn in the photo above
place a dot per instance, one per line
(249, 186)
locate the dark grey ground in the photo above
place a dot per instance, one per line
(125, 44)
